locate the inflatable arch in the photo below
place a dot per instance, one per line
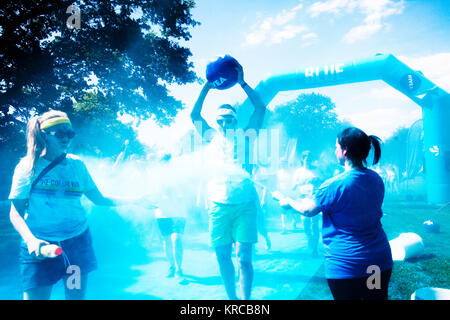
(435, 103)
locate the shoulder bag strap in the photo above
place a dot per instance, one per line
(53, 164)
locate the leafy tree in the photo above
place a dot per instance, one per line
(100, 122)
(131, 47)
(119, 61)
(311, 120)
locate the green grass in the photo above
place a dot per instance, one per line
(431, 269)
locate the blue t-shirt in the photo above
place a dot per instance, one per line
(352, 234)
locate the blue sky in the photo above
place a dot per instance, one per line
(271, 37)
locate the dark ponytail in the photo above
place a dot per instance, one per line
(375, 141)
(357, 144)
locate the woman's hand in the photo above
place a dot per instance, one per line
(284, 202)
(34, 244)
(277, 195)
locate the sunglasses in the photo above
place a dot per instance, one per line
(60, 134)
(226, 120)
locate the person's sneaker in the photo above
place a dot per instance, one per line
(179, 274)
(170, 272)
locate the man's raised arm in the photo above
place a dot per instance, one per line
(256, 119)
(199, 122)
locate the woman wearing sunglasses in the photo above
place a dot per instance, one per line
(48, 210)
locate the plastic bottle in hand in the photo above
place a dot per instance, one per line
(50, 251)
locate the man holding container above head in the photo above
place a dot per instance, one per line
(231, 193)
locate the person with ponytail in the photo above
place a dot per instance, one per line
(46, 209)
(358, 259)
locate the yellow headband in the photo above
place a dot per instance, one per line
(54, 121)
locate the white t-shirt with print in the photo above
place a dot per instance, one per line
(55, 212)
(230, 183)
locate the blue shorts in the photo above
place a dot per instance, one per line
(168, 226)
(77, 251)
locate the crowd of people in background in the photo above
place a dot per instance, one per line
(391, 178)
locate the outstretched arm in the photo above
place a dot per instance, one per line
(199, 122)
(257, 117)
(306, 207)
(97, 198)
